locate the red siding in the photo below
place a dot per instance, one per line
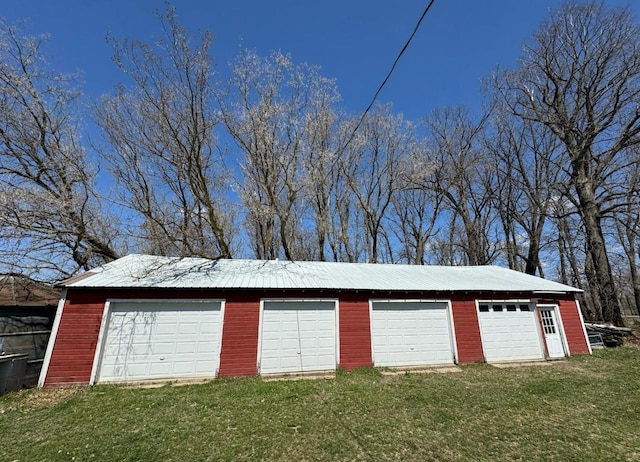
(74, 350)
(573, 327)
(355, 331)
(465, 322)
(76, 341)
(239, 351)
(77, 338)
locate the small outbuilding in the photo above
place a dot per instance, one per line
(145, 318)
(27, 309)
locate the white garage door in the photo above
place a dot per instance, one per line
(509, 332)
(161, 339)
(298, 336)
(410, 334)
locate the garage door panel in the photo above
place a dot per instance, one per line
(156, 369)
(186, 347)
(410, 334)
(140, 349)
(288, 364)
(327, 325)
(510, 335)
(309, 325)
(308, 344)
(162, 348)
(395, 341)
(182, 367)
(286, 325)
(328, 343)
(188, 328)
(206, 347)
(166, 328)
(209, 328)
(204, 367)
(134, 369)
(298, 337)
(396, 324)
(161, 339)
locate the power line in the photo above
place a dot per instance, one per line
(393, 66)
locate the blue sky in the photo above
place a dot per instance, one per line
(354, 41)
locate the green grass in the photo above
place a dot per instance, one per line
(586, 408)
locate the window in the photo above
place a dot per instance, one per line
(547, 322)
(509, 307)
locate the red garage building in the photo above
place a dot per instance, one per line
(144, 317)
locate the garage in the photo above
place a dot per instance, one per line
(408, 333)
(290, 317)
(150, 340)
(298, 336)
(509, 331)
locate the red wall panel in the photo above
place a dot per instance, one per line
(75, 346)
(467, 329)
(355, 331)
(239, 351)
(573, 327)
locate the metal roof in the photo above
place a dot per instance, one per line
(148, 271)
(17, 290)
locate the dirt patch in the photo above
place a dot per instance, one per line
(39, 398)
(49, 397)
(419, 370)
(301, 376)
(504, 365)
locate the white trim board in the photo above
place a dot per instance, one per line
(52, 339)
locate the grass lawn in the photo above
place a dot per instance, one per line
(586, 408)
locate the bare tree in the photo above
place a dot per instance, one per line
(51, 221)
(162, 147)
(324, 182)
(526, 185)
(345, 238)
(464, 178)
(580, 77)
(415, 216)
(415, 210)
(280, 115)
(375, 163)
(627, 227)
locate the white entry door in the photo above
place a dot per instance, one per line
(552, 335)
(407, 333)
(298, 336)
(159, 339)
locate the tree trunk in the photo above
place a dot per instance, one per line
(626, 234)
(635, 282)
(601, 278)
(533, 255)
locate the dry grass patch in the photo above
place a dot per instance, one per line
(29, 400)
